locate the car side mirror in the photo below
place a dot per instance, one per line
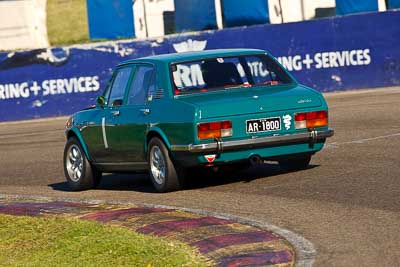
(117, 102)
(101, 101)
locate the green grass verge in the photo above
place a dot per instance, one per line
(32, 241)
(67, 22)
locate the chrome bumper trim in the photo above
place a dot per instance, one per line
(310, 137)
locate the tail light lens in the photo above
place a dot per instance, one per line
(211, 130)
(311, 119)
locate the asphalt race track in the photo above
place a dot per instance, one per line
(347, 203)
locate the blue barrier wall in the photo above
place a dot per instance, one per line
(237, 14)
(359, 51)
(344, 7)
(197, 16)
(394, 4)
(110, 19)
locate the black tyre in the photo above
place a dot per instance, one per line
(295, 163)
(164, 174)
(78, 171)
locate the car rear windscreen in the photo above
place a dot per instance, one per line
(222, 73)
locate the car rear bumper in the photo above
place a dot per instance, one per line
(219, 146)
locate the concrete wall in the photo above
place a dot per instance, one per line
(23, 24)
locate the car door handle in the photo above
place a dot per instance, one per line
(115, 112)
(145, 111)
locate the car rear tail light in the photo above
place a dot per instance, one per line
(311, 119)
(211, 130)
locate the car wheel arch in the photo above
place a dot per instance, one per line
(159, 134)
(73, 133)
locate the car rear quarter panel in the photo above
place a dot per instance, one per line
(173, 120)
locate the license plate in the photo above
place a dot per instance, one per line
(263, 125)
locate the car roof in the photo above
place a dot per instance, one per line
(196, 55)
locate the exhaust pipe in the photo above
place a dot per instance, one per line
(255, 160)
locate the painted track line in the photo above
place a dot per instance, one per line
(361, 141)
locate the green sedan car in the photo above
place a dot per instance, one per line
(169, 114)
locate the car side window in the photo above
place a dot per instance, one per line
(143, 81)
(152, 91)
(119, 85)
